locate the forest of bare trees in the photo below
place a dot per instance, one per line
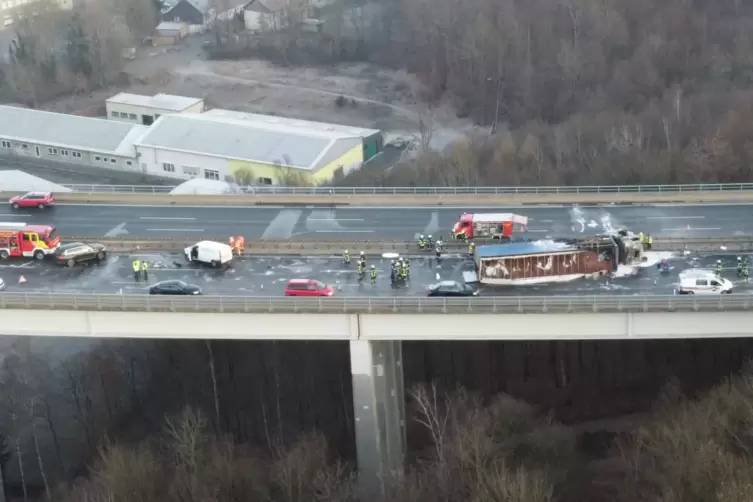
(580, 91)
(218, 421)
(57, 51)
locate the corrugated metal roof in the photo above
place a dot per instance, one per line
(524, 248)
(64, 131)
(233, 139)
(306, 126)
(161, 101)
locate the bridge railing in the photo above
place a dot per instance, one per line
(375, 191)
(380, 305)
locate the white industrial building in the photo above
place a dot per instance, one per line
(140, 109)
(218, 143)
(69, 138)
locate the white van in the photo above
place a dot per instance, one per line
(209, 253)
(703, 282)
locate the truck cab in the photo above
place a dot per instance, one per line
(488, 226)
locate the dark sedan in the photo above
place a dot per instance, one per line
(174, 288)
(451, 288)
(78, 252)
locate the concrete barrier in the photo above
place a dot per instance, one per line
(405, 200)
(313, 247)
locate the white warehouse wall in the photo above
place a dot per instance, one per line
(151, 160)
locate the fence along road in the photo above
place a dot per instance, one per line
(367, 191)
(378, 305)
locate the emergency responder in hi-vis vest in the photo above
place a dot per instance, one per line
(136, 269)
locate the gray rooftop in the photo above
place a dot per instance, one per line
(235, 139)
(161, 101)
(64, 131)
(276, 122)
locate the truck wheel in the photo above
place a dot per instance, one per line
(38, 255)
(4, 255)
(215, 264)
(70, 263)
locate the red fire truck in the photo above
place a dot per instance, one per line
(22, 240)
(488, 225)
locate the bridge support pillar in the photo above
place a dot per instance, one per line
(379, 410)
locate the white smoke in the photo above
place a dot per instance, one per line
(603, 223)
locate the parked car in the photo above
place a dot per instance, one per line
(210, 253)
(308, 287)
(703, 282)
(32, 199)
(174, 287)
(78, 252)
(451, 288)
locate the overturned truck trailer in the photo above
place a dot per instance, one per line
(558, 260)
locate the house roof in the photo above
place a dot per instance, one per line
(68, 131)
(160, 101)
(202, 6)
(233, 138)
(274, 121)
(524, 248)
(266, 6)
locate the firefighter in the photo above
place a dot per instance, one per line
(240, 244)
(430, 242)
(393, 271)
(421, 242)
(407, 269)
(346, 257)
(739, 266)
(719, 268)
(438, 248)
(471, 248)
(403, 270)
(373, 274)
(136, 269)
(650, 241)
(362, 260)
(361, 270)
(746, 270)
(145, 270)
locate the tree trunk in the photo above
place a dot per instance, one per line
(215, 393)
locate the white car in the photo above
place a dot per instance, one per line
(703, 282)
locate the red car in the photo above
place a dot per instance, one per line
(308, 287)
(32, 199)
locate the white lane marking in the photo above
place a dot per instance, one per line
(335, 219)
(117, 230)
(163, 218)
(282, 225)
(174, 229)
(344, 231)
(15, 215)
(541, 231)
(673, 218)
(691, 229)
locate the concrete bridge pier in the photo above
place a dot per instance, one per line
(379, 410)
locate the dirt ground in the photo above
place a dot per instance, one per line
(375, 97)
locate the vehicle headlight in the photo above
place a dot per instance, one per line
(330, 293)
(475, 293)
(196, 292)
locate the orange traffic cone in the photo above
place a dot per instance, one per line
(21, 280)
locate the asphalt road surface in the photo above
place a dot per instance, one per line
(267, 276)
(358, 223)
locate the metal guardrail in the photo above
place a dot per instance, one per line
(315, 246)
(366, 191)
(398, 305)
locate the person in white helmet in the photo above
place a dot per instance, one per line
(346, 257)
(739, 266)
(719, 268)
(421, 242)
